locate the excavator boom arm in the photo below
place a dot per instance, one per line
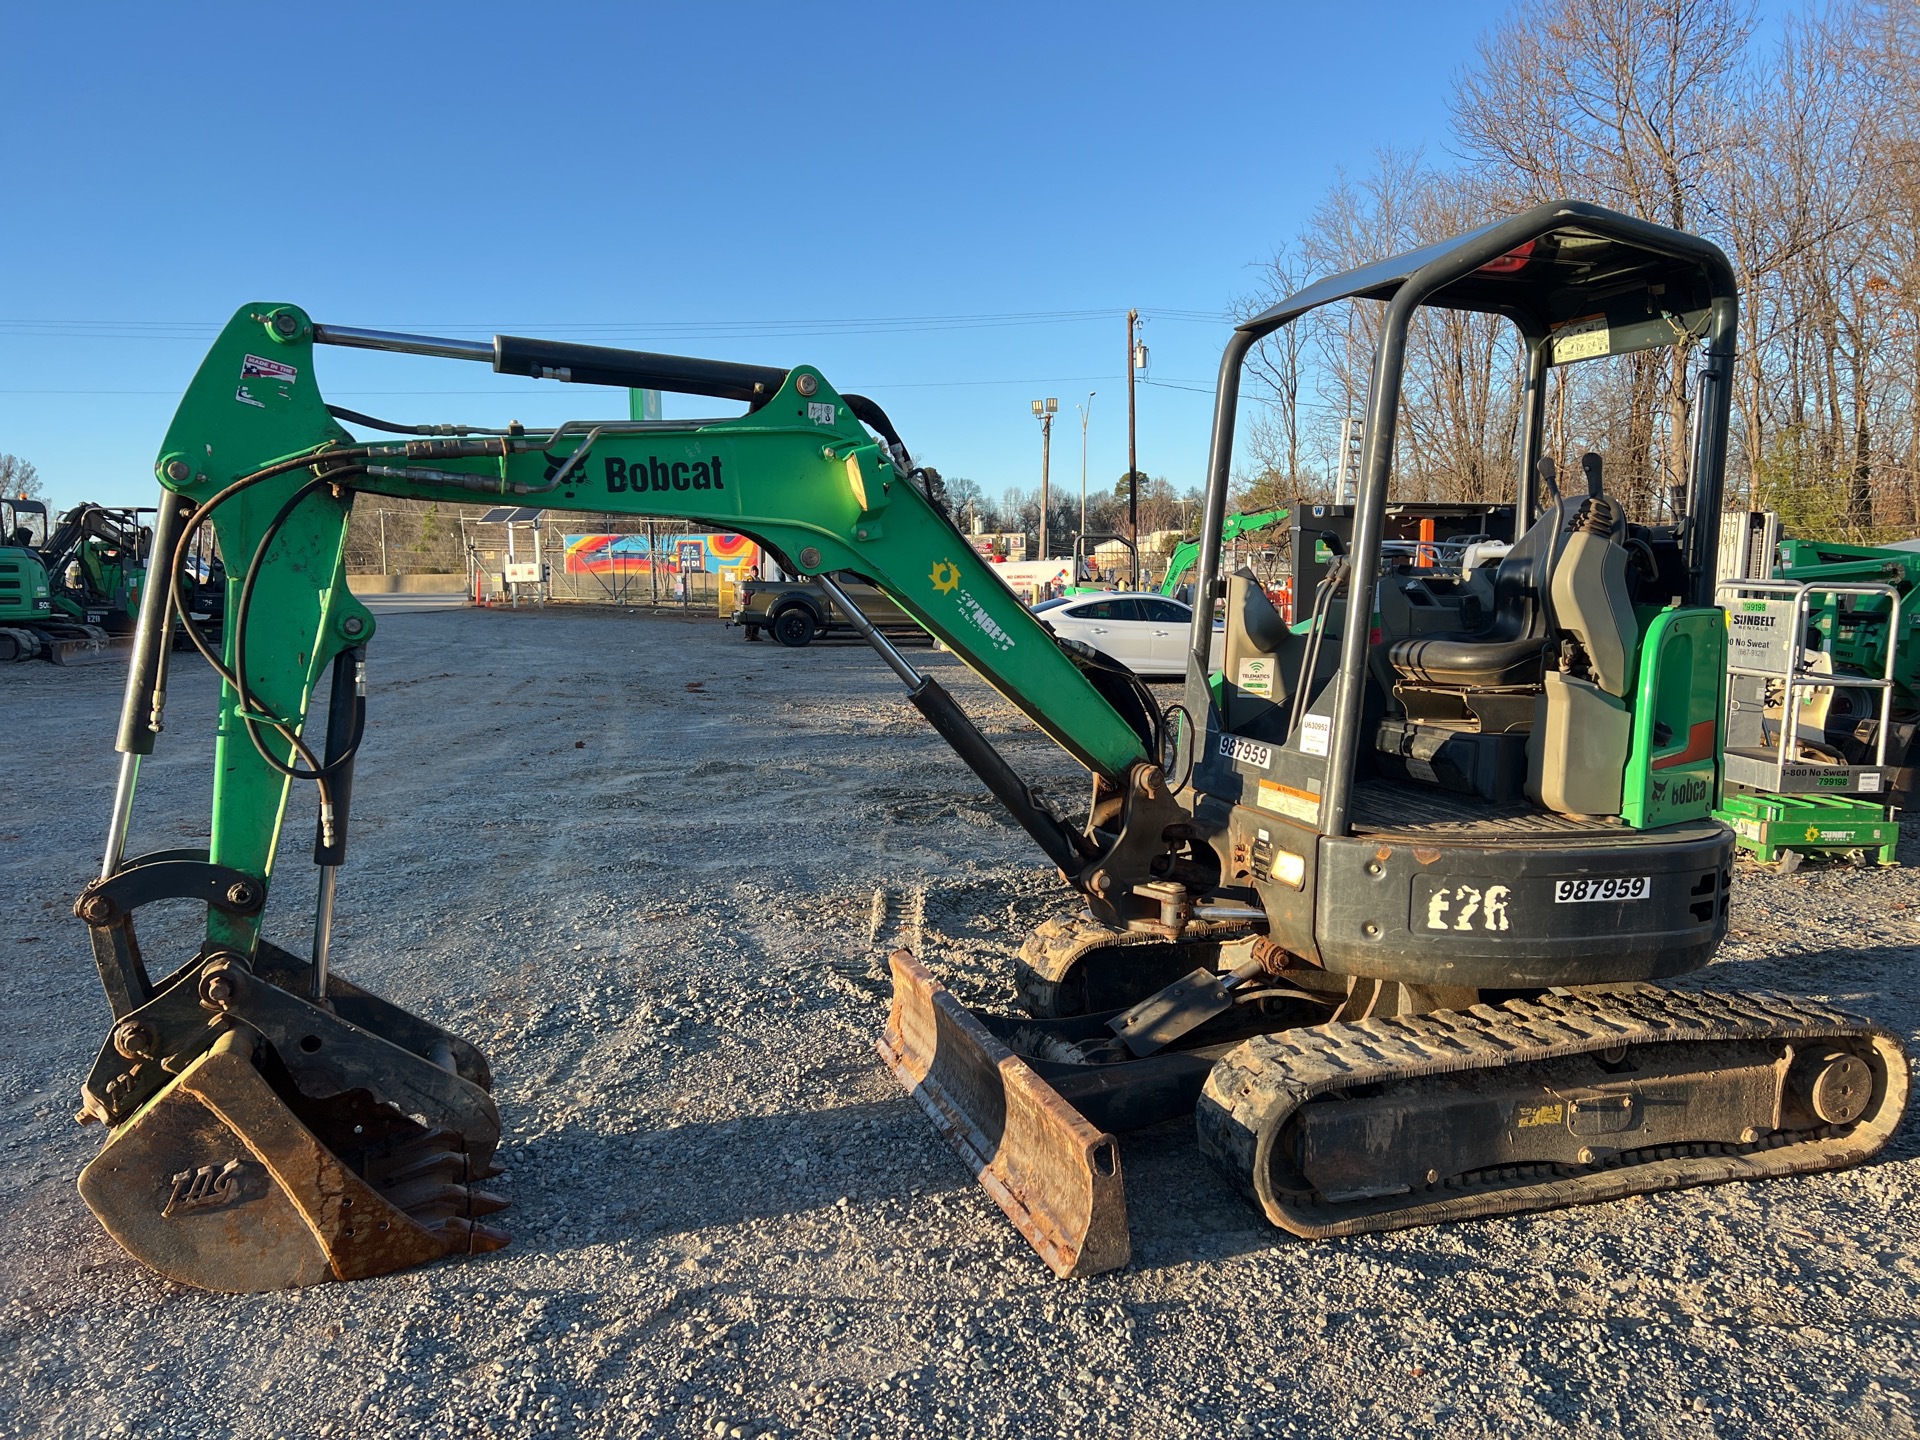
(799, 473)
(1188, 551)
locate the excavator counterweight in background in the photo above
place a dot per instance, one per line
(1379, 903)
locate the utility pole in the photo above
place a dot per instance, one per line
(1044, 411)
(1085, 411)
(1133, 479)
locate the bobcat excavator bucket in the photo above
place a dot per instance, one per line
(260, 1138)
(1056, 1175)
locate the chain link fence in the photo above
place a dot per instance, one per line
(393, 537)
(620, 579)
(526, 561)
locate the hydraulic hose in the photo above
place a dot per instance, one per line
(250, 712)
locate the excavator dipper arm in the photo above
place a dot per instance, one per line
(272, 1124)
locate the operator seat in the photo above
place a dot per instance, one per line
(1583, 722)
(1506, 651)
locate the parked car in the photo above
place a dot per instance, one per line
(1146, 633)
(794, 612)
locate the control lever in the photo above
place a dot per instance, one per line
(1183, 1007)
(1590, 467)
(1548, 472)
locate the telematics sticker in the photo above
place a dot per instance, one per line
(254, 367)
(1256, 676)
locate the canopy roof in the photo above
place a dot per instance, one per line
(1604, 281)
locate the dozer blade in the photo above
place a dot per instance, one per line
(95, 647)
(1056, 1176)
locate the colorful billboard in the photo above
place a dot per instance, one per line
(633, 555)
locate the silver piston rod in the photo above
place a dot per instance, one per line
(1063, 845)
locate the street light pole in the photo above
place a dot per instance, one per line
(1043, 411)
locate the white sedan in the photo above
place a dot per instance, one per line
(1146, 633)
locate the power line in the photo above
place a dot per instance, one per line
(176, 331)
(855, 386)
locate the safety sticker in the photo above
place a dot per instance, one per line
(1584, 339)
(821, 412)
(256, 367)
(1285, 800)
(1527, 1117)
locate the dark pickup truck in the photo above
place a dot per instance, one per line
(795, 611)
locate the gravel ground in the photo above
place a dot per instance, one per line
(653, 871)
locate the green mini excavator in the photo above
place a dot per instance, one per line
(1187, 553)
(70, 592)
(1379, 902)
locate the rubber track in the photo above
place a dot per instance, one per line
(1057, 945)
(1254, 1090)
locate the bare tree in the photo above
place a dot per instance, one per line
(1623, 101)
(19, 478)
(1801, 158)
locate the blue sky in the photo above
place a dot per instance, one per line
(775, 184)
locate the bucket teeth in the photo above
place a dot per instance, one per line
(236, 1177)
(422, 1199)
(440, 1165)
(480, 1239)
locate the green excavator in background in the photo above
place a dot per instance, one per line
(1378, 902)
(1187, 553)
(69, 592)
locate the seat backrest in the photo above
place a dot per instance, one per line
(1591, 601)
(1520, 579)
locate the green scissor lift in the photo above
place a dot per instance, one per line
(1784, 799)
(1780, 830)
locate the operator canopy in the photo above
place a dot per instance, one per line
(1599, 282)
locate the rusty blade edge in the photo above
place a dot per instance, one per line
(1069, 1249)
